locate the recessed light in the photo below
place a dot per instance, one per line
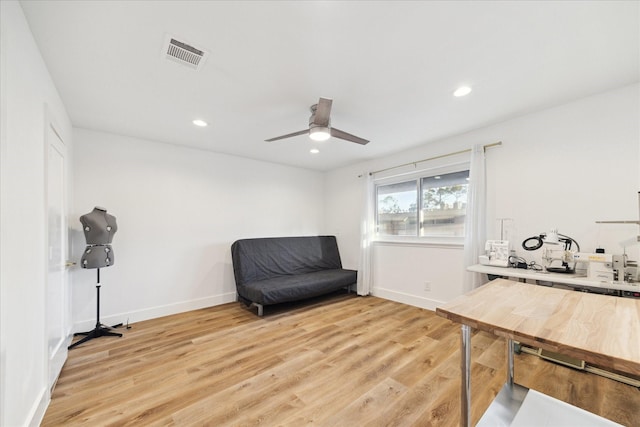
(462, 91)
(437, 177)
(200, 123)
(314, 151)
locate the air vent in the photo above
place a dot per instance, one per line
(184, 53)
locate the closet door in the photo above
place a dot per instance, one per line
(57, 286)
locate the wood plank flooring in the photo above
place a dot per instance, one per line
(340, 360)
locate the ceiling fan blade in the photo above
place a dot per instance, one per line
(289, 135)
(347, 136)
(323, 112)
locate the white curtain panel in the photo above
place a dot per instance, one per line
(476, 221)
(366, 235)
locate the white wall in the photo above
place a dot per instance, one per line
(564, 167)
(25, 88)
(178, 211)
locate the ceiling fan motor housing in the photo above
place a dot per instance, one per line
(312, 119)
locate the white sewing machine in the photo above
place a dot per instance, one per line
(496, 253)
(608, 267)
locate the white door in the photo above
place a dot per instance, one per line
(57, 290)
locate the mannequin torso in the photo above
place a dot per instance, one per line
(99, 228)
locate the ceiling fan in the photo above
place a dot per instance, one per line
(320, 126)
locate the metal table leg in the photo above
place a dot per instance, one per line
(509, 362)
(465, 368)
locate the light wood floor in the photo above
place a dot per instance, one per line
(335, 361)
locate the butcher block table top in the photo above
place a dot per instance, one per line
(599, 329)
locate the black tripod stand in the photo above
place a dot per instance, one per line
(100, 330)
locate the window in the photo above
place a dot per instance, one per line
(444, 204)
(442, 199)
(397, 207)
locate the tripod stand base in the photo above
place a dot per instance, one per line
(99, 331)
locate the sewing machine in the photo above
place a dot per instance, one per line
(556, 247)
(496, 253)
(609, 267)
(551, 254)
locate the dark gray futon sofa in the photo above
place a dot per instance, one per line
(282, 269)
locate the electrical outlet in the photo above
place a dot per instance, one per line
(427, 286)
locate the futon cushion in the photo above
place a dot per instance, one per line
(261, 259)
(295, 287)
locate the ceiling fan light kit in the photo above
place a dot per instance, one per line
(319, 133)
(320, 126)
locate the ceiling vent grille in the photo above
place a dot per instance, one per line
(184, 53)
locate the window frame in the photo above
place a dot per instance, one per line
(416, 176)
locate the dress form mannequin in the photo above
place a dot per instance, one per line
(99, 228)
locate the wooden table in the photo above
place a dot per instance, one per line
(599, 329)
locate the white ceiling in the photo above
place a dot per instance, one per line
(389, 66)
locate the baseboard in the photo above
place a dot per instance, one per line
(408, 299)
(155, 312)
(39, 408)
